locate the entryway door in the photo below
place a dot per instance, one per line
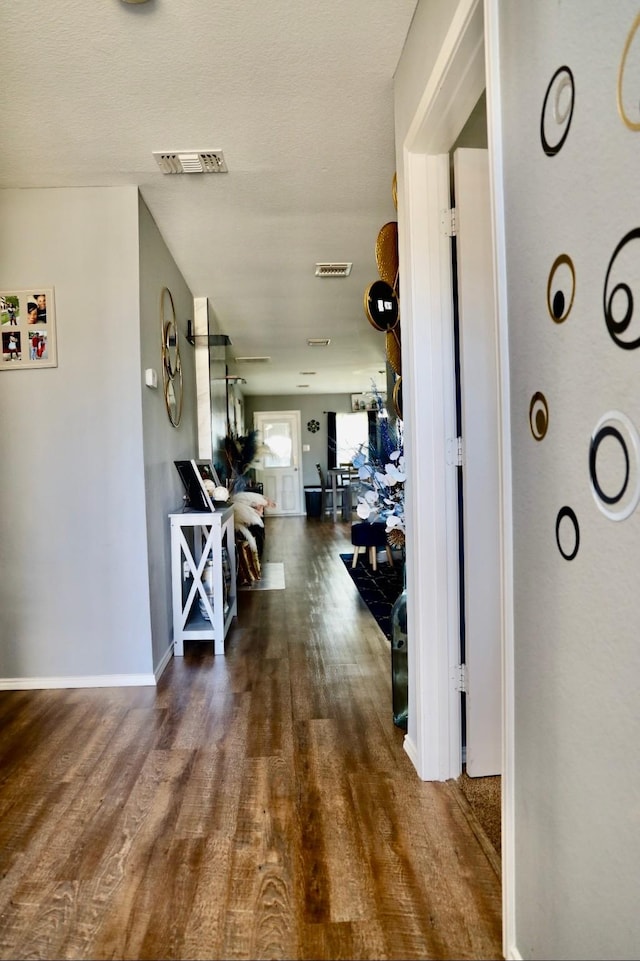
(480, 471)
(279, 466)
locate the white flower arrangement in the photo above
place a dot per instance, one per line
(382, 473)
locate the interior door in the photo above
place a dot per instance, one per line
(279, 466)
(480, 473)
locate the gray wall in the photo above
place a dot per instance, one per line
(577, 657)
(86, 467)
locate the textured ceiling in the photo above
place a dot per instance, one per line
(299, 97)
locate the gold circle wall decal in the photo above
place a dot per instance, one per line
(624, 116)
(561, 288)
(538, 415)
(387, 254)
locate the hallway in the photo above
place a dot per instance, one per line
(259, 805)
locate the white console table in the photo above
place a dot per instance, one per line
(203, 553)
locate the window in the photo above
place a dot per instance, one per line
(352, 433)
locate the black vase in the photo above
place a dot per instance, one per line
(399, 666)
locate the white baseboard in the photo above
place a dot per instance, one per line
(164, 661)
(100, 680)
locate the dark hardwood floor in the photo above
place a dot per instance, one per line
(256, 805)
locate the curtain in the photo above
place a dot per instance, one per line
(331, 439)
(372, 417)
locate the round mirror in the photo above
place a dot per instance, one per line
(173, 396)
(381, 305)
(170, 348)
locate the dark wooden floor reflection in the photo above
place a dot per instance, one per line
(256, 805)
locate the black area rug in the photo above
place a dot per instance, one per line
(378, 589)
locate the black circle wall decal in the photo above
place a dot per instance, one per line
(618, 462)
(628, 122)
(566, 513)
(562, 92)
(562, 275)
(313, 426)
(538, 415)
(607, 431)
(618, 327)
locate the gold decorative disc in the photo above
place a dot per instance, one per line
(394, 351)
(387, 254)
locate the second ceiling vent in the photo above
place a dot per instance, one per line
(191, 161)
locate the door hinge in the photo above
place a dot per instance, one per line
(459, 678)
(448, 222)
(454, 451)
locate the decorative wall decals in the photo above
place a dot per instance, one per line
(614, 461)
(633, 97)
(557, 111)
(561, 288)
(538, 415)
(568, 515)
(313, 426)
(624, 297)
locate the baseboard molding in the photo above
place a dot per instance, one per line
(164, 661)
(410, 749)
(100, 680)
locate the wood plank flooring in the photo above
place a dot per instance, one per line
(256, 805)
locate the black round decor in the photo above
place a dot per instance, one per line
(313, 426)
(569, 514)
(558, 305)
(562, 78)
(607, 431)
(381, 305)
(618, 327)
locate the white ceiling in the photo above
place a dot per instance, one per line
(297, 94)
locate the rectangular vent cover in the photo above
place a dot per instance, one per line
(252, 360)
(191, 161)
(333, 270)
(319, 342)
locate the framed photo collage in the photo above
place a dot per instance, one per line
(27, 329)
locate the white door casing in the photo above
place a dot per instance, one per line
(480, 461)
(279, 470)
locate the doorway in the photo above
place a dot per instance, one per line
(278, 467)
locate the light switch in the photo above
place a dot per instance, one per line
(151, 377)
(306, 448)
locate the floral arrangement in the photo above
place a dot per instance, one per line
(240, 454)
(381, 472)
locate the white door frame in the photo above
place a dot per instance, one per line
(456, 82)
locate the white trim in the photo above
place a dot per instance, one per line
(428, 385)
(454, 87)
(100, 680)
(496, 174)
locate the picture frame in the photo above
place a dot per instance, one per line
(193, 474)
(28, 329)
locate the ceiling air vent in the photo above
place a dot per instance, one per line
(333, 270)
(252, 360)
(191, 161)
(319, 342)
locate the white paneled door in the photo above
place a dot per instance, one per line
(480, 472)
(279, 465)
